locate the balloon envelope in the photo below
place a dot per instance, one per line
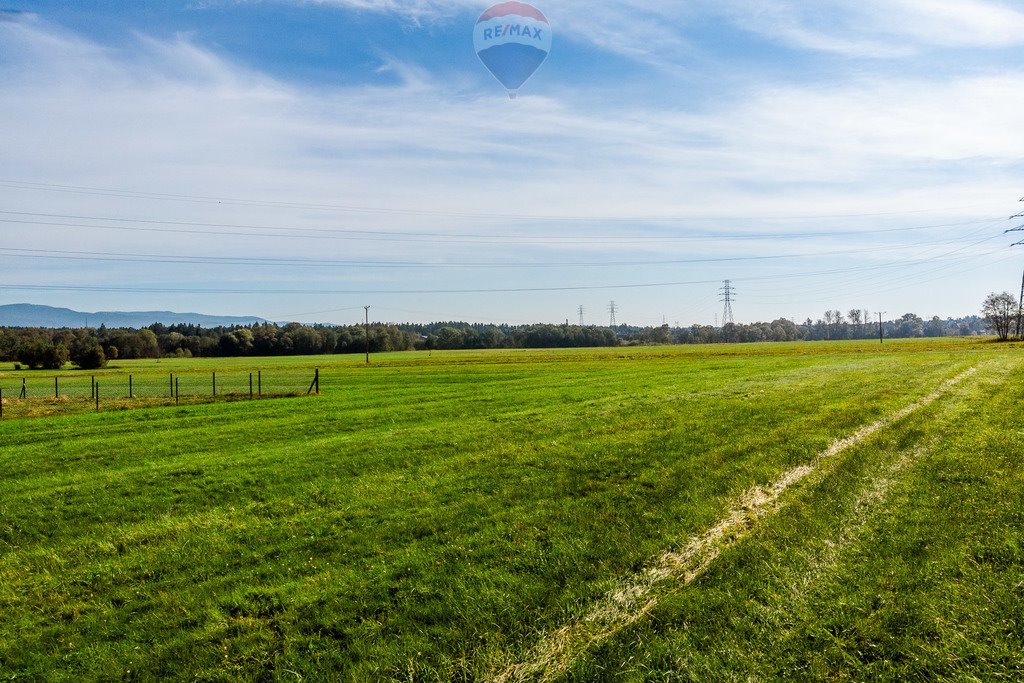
(512, 39)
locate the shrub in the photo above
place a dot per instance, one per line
(42, 353)
(89, 357)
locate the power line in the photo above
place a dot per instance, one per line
(380, 235)
(64, 254)
(645, 285)
(160, 196)
(843, 285)
(855, 269)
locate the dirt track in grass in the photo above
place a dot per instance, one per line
(635, 596)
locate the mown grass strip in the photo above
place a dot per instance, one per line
(904, 561)
(636, 596)
(424, 516)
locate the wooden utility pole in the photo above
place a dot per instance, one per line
(367, 333)
(880, 338)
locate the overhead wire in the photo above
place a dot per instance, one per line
(64, 254)
(110, 192)
(488, 290)
(242, 230)
(845, 285)
(866, 276)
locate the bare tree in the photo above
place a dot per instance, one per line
(1000, 311)
(856, 323)
(838, 323)
(829, 325)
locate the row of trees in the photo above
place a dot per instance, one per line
(92, 348)
(51, 349)
(859, 325)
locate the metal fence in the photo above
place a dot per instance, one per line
(37, 394)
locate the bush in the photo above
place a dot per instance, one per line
(89, 357)
(42, 353)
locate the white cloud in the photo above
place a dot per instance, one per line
(78, 110)
(171, 117)
(649, 31)
(882, 28)
(656, 30)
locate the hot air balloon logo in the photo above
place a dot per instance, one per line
(512, 39)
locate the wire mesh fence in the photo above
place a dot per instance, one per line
(36, 394)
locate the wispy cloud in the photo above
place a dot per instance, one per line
(172, 104)
(13, 15)
(170, 116)
(641, 30)
(881, 28)
(654, 30)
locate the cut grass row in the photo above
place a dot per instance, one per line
(902, 561)
(152, 383)
(422, 518)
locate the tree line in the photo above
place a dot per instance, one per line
(90, 348)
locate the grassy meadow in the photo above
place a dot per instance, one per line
(436, 516)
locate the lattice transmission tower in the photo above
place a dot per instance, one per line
(612, 308)
(728, 293)
(1020, 301)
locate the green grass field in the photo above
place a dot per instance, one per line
(450, 516)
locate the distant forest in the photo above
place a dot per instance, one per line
(94, 347)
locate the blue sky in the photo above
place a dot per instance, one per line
(298, 159)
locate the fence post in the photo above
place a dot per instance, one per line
(316, 378)
(250, 385)
(56, 389)
(131, 392)
(24, 389)
(215, 383)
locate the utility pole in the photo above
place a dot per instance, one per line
(1020, 305)
(581, 315)
(880, 327)
(727, 291)
(611, 310)
(1020, 301)
(367, 332)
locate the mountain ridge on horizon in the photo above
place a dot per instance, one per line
(38, 315)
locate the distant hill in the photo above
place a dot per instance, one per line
(32, 315)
